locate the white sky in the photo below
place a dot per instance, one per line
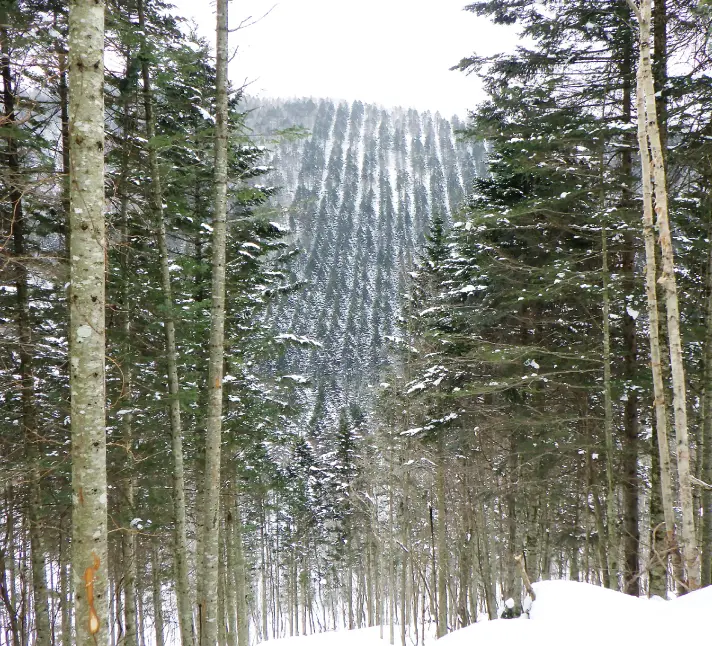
(392, 52)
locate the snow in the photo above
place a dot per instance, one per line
(564, 613)
(205, 114)
(360, 637)
(569, 611)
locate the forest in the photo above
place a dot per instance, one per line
(272, 367)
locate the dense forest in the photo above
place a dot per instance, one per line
(272, 367)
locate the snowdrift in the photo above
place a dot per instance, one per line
(568, 612)
(565, 613)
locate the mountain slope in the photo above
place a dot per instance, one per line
(358, 193)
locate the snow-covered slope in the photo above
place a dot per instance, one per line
(566, 613)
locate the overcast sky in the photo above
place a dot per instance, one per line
(392, 52)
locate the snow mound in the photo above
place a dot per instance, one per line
(567, 612)
(564, 613)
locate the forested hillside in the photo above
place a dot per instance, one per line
(271, 367)
(357, 195)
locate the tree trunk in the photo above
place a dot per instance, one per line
(689, 540)
(658, 557)
(64, 588)
(182, 585)
(128, 537)
(667, 486)
(87, 322)
(158, 622)
(240, 574)
(611, 563)
(441, 538)
(213, 431)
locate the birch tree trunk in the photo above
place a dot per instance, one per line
(706, 472)
(213, 432)
(182, 585)
(667, 484)
(87, 323)
(690, 549)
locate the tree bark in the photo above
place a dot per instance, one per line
(667, 486)
(706, 471)
(213, 432)
(690, 549)
(87, 322)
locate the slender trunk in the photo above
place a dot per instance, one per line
(222, 614)
(240, 571)
(667, 486)
(263, 572)
(128, 537)
(63, 93)
(230, 576)
(690, 549)
(213, 431)
(630, 482)
(404, 560)
(441, 538)
(182, 586)
(64, 588)
(87, 337)
(158, 623)
(391, 549)
(128, 566)
(611, 563)
(7, 558)
(706, 474)
(658, 558)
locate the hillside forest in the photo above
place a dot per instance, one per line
(272, 367)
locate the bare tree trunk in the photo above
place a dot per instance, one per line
(128, 549)
(230, 574)
(706, 474)
(690, 549)
(441, 538)
(213, 432)
(240, 572)
(128, 538)
(667, 486)
(64, 588)
(158, 623)
(263, 572)
(182, 585)
(7, 558)
(391, 548)
(87, 337)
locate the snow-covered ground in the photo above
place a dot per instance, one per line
(566, 613)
